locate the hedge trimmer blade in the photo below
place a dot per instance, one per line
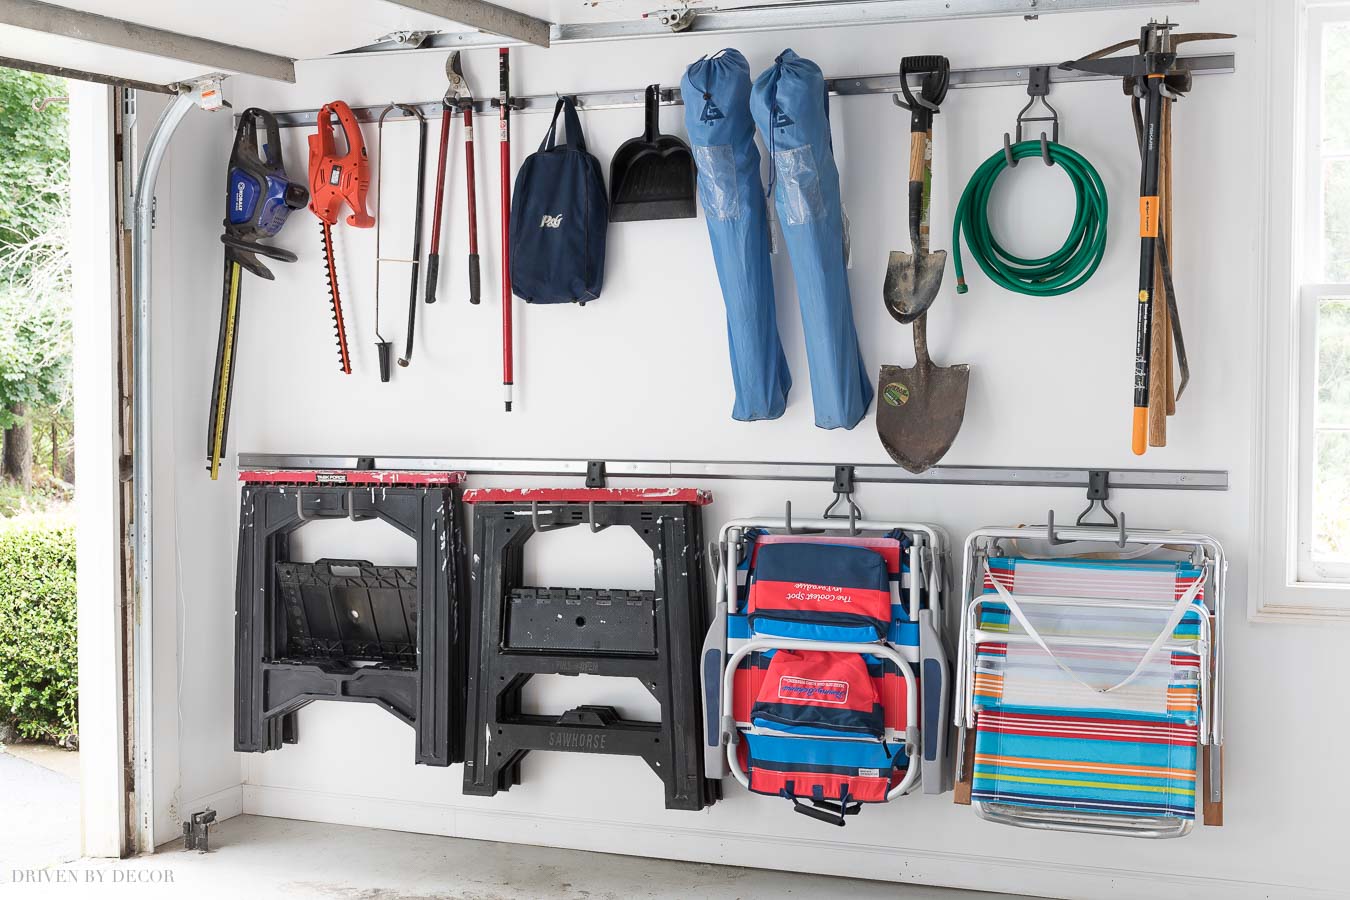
(335, 298)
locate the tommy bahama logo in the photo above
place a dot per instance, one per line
(551, 221)
(792, 687)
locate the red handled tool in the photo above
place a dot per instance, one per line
(457, 98)
(504, 142)
(447, 119)
(333, 180)
(464, 100)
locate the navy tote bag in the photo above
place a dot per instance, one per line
(559, 214)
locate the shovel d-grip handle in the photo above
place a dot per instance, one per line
(937, 78)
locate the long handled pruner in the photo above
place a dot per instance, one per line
(1155, 77)
(458, 98)
(462, 100)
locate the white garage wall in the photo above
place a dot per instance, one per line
(643, 373)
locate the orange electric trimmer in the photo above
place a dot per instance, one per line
(335, 179)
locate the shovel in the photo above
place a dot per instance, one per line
(922, 408)
(652, 176)
(913, 279)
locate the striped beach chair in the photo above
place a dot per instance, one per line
(1089, 684)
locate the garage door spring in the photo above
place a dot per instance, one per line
(1064, 270)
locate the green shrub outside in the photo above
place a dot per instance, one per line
(37, 627)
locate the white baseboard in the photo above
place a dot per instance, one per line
(882, 863)
(227, 803)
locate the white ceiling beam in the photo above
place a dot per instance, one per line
(109, 32)
(484, 16)
(81, 75)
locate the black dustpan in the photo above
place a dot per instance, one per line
(652, 176)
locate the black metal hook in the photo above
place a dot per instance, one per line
(843, 491)
(1099, 490)
(596, 528)
(540, 526)
(1038, 88)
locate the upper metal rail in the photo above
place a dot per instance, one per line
(840, 86)
(680, 18)
(1032, 476)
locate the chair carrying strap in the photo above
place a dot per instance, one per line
(1173, 619)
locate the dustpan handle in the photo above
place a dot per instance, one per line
(653, 112)
(1178, 612)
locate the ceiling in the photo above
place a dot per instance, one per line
(298, 29)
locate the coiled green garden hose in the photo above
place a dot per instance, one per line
(1069, 267)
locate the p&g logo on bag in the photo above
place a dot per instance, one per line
(551, 221)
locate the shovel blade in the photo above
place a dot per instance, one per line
(920, 412)
(912, 282)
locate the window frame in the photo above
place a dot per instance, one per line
(1287, 583)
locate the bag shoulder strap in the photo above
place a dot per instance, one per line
(567, 106)
(1178, 612)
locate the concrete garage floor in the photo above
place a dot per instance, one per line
(39, 806)
(260, 858)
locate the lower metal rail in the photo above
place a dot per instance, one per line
(699, 470)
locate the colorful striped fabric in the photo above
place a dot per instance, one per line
(820, 592)
(820, 768)
(1045, 741)
(903, 634)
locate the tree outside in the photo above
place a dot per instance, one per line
(35, 295)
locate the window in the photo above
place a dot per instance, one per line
(1301, 563)
(1323, 437)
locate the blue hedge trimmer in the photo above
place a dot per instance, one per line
(259, 197)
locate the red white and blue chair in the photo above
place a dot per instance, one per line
(813, 668)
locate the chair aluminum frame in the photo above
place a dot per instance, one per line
(927, 554)
(1208, 646)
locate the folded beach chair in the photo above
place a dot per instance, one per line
(811, 669)
(1090, 685)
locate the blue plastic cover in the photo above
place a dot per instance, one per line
(791, 108)
(722, 134)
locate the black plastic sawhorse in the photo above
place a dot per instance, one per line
(654, 636)
(287, 655)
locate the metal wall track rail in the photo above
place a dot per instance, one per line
(764, 17)
(699, 470)
(840, 86)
